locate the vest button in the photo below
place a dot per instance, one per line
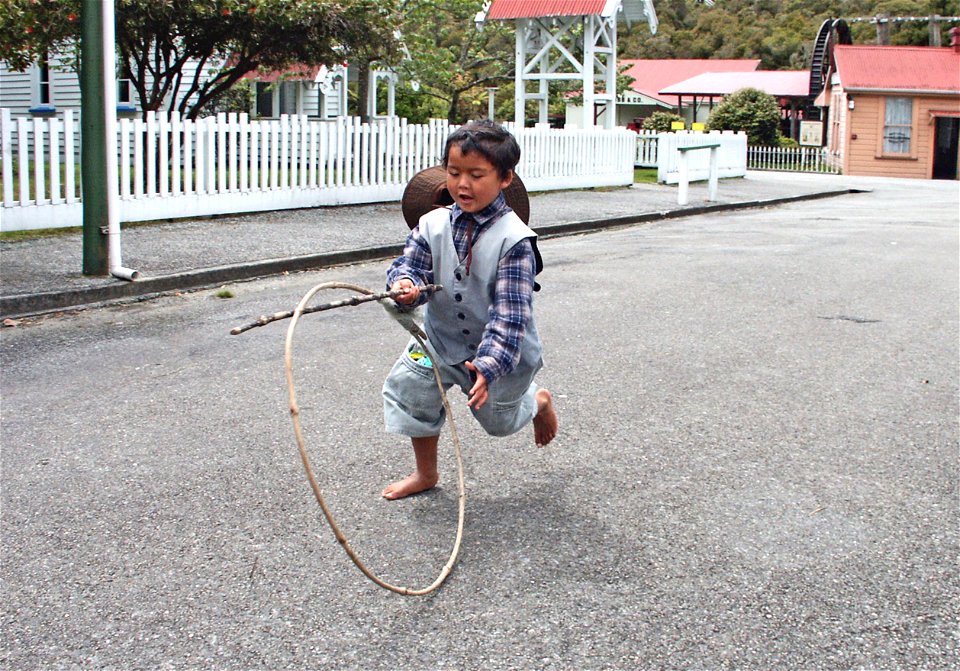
(457, 297)
(466, 331)
(458, 276)
(460, 315)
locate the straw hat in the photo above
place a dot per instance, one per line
(428, 191)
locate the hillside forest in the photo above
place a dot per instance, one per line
(778, 32)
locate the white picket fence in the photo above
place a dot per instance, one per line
(796, 159)
(171, 167)
(786, 159)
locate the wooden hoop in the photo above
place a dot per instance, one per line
(295, 416)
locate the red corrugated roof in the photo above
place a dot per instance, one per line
(528, 9)
(296, 73)
(886, 68)
(779, 83)
(652, 75)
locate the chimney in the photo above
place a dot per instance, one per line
(955, 38)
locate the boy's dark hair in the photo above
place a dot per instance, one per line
(490, 140)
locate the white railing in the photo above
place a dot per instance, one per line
(795, 159)
(646, 155)
(731, 155)
(174, 167)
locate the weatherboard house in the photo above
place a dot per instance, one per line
(894, 111)
(51, 87)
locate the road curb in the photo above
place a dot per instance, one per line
(23, 305)
(614, 222)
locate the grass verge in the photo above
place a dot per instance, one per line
(644, 175)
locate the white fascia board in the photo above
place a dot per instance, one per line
(610, 8)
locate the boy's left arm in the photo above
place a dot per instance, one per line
(479, 392)
(499, 351)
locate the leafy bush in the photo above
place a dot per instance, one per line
(238, 98)
(661, 121)
(749, 110)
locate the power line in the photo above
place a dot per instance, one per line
(902, 19)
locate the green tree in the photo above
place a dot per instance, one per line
(450, 59)
(749, 110)
(415, 107)
(29, 29)
(158, 41)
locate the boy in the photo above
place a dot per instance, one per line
(481, 330)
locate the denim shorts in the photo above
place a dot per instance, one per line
(412, 405)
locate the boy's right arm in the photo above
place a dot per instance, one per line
(412, 270)
(412, 291)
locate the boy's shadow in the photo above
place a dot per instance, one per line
(534, 532)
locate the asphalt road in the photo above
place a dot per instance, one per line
(757, 467)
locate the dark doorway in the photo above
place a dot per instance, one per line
(945, 148)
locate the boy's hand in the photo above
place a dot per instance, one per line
(478, 394)
(413, 291)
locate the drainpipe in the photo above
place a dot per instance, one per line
(110, 130)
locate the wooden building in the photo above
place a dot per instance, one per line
(894, 111)
(791, 88)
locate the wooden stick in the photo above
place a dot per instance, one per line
(263, 320)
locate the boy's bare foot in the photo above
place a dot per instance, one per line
(545, 423)
(410, 485)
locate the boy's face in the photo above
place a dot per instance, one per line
(472, 180)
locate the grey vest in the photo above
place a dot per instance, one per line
(456, 317)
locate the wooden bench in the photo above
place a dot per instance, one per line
(684, 183)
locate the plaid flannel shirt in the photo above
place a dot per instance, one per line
(499, 350)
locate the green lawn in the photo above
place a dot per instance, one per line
(644, 175)
(46, 177)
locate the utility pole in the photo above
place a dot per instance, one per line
(883, 29)
(93, 155)
(98, 142)
(491, 92)
(933, 29)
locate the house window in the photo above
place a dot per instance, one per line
(123, 92)
(284, 102)
(897, 126)
(43, 84)
(42, 95)
(264, 99)
(288, 97)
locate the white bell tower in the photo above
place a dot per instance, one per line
(566, 40)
